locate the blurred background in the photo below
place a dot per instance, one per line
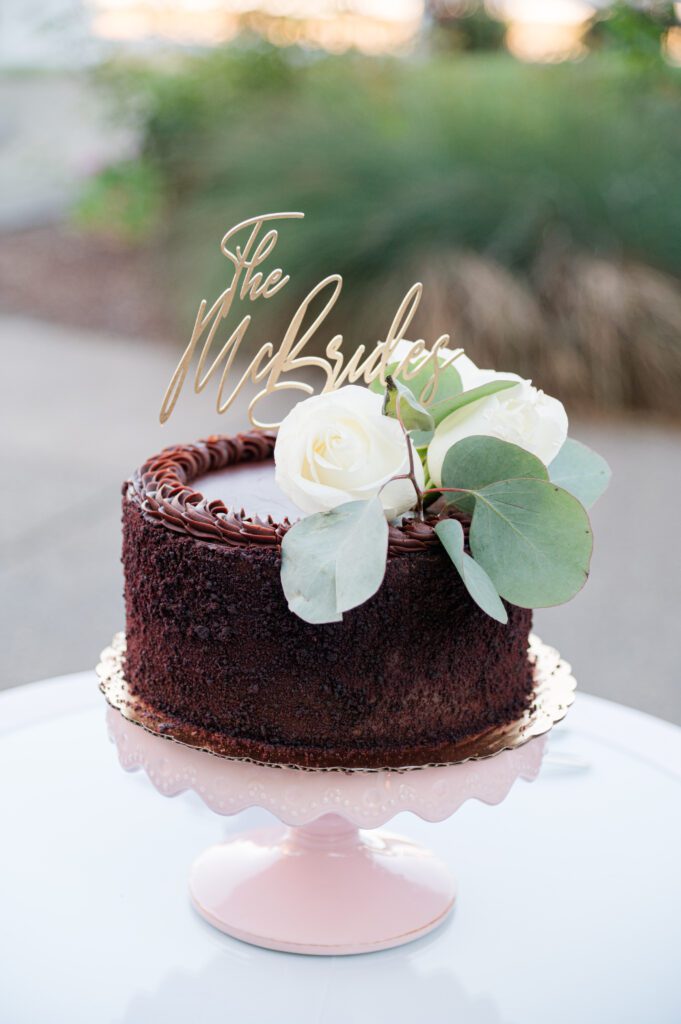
(520, 157)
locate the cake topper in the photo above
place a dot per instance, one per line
(271, 366)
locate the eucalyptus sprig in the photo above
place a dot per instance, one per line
(532, 537)
(333, 561)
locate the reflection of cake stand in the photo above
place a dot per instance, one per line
(323, 884)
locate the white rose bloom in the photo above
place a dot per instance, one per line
(522, 415)
(339, 447)
(469, 372)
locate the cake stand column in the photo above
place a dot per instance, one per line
(325, 888)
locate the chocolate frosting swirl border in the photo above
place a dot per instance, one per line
(162, 486)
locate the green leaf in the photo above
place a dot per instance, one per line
(475, 579)
(479, 460)
(414, 416)
(448, 387)
(421, 439)
(533, 539)
(334, 561)
(580, 471)
(474, 395)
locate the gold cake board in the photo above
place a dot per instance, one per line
(552, 695)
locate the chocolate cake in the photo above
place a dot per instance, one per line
(212, 645)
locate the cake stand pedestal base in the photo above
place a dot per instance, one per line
(324, 888)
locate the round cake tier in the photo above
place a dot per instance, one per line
(211, 642)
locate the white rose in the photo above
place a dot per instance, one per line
(339, 447)
(469, 372)
(522, 415)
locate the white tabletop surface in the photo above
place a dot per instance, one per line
(569, 906)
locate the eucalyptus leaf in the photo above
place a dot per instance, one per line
(413, 415)
(534, 540)
(475, 579)
(447, 388)
(479, 460)
(334, 561)
(474, 395)
(421, 438)
(581, 471)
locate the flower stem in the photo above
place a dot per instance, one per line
(411, 475)
(445, 490)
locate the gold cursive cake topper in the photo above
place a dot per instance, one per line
(271, 367)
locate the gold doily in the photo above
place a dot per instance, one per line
(553, 693)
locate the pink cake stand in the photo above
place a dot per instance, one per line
(324, 881)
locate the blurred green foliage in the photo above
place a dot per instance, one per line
(564, 178)
(465, 26)
(125, 199)
(387, 157)
(635, 32)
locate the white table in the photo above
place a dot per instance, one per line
(569, 906)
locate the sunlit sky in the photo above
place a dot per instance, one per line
(556, 12)
(386, 10)
(372, 26)
(536, 29)
(75, 33)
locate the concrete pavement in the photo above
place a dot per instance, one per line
(79, 412)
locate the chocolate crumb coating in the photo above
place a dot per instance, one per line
(211, 643)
